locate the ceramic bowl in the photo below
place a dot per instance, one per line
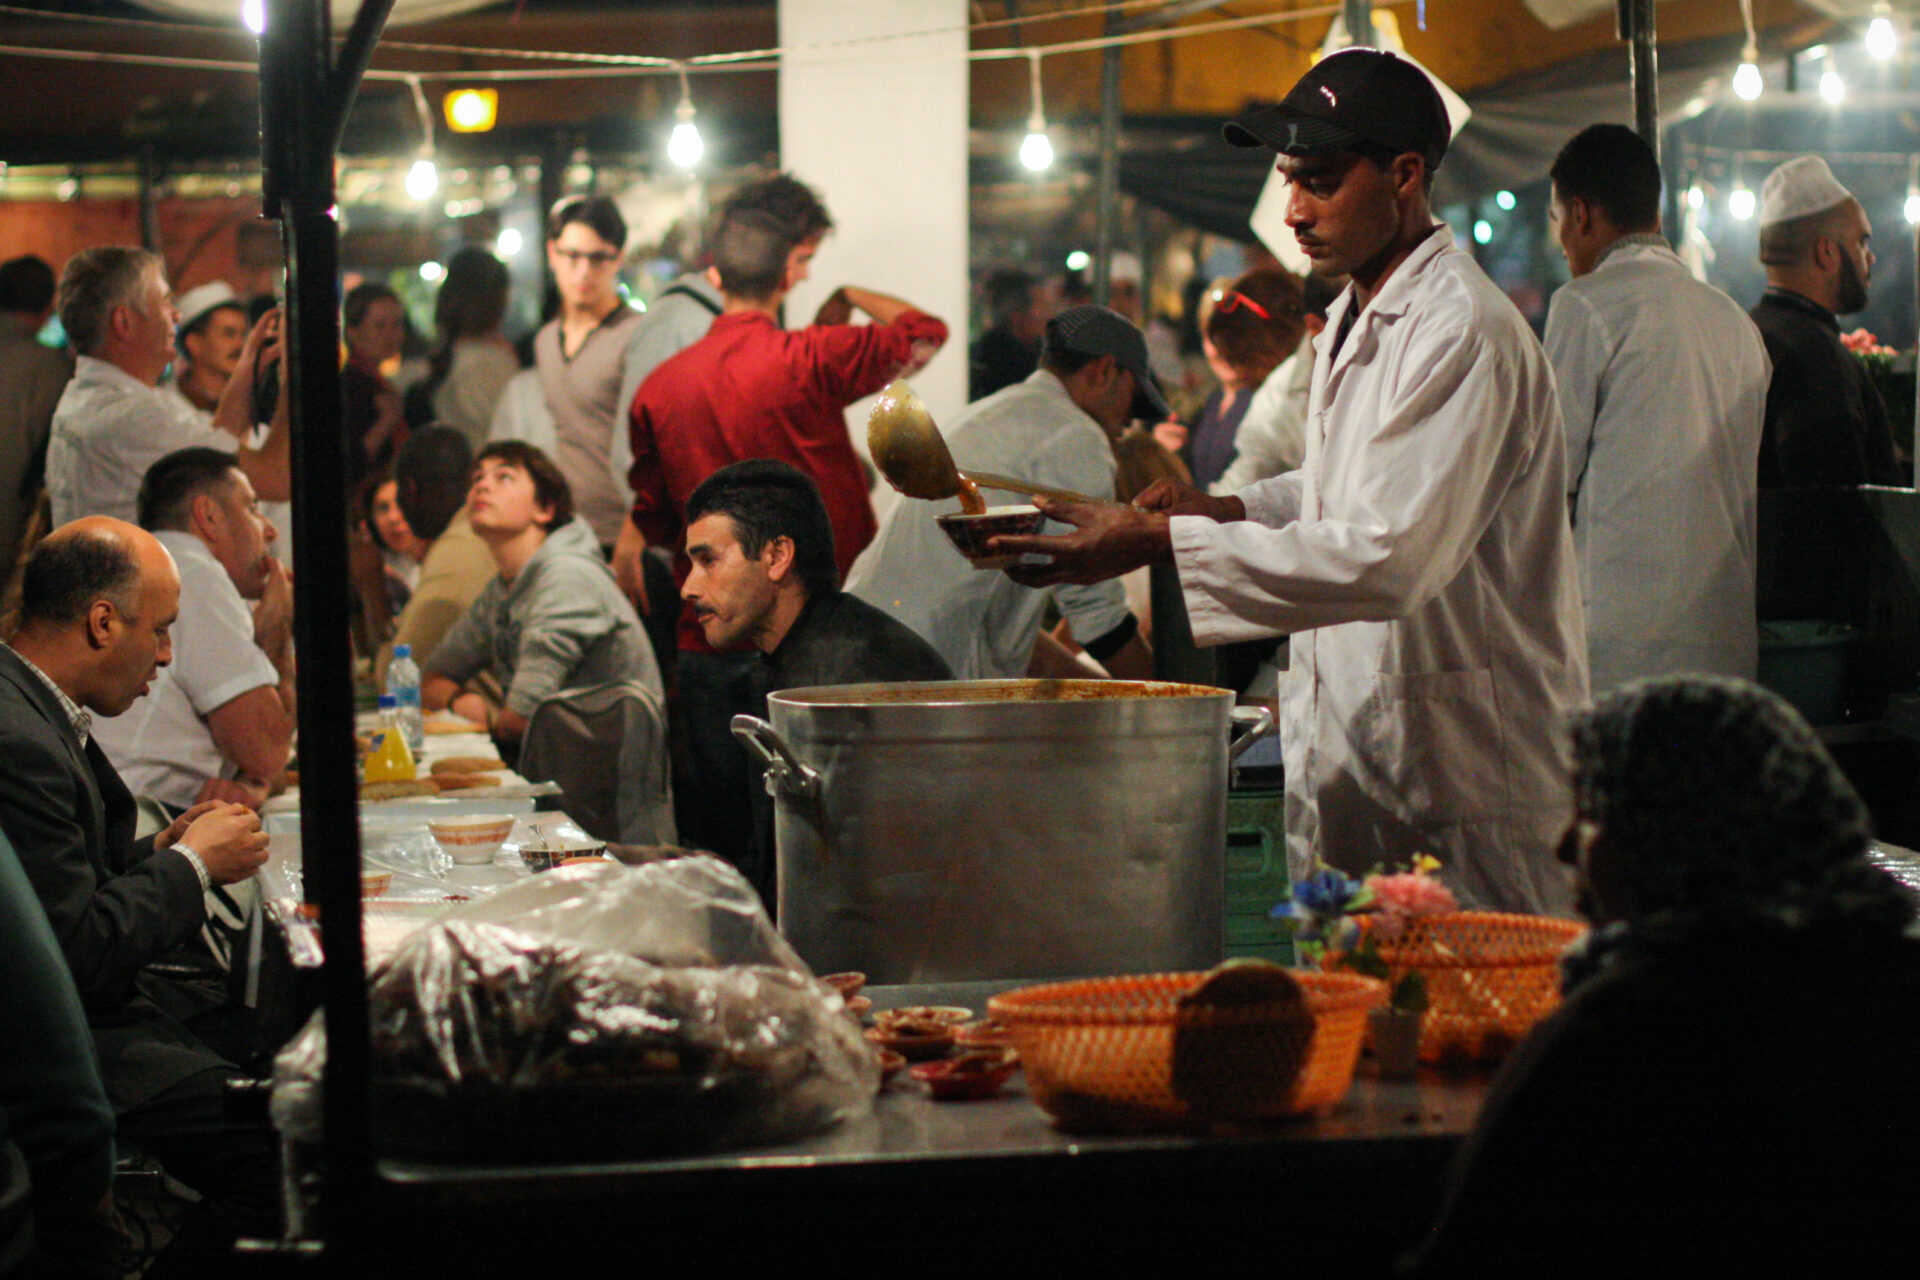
(472, 840)
(544, 854)
(969, 534)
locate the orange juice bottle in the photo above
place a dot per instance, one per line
(391, 761)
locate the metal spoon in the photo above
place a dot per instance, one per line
(911, 454)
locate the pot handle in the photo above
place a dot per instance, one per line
(785, 774)
(1257, 730)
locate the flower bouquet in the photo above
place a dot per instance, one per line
(1892, 374)
(1325, 910)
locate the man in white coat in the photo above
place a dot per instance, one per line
(1663, 388)
(1421, 555)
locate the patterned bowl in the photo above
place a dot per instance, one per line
(969, 534)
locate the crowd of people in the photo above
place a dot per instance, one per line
(1464, 532)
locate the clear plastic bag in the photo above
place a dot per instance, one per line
(597, 1010)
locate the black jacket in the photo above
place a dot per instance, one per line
(1825, 421)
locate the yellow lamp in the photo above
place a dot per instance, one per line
(472, 110)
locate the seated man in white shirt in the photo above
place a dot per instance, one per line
(218, 723)
(113, 422)
(1056, 428)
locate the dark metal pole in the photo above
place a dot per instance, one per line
(149, 199)
(1357, 16)
(1107, 187)
(303, 105)
(1635, 24)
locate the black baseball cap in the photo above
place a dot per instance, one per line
(1354, 96)
(1098, 331)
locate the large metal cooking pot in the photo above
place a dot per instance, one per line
(986, 829)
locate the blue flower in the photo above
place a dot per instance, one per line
(1325, 893)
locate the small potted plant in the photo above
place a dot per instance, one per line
(1324, 910)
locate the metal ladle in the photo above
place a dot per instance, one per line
(911, 454)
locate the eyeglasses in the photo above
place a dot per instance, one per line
(599, 259)
(1227, 300)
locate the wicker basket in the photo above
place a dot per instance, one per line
(1099, 1053)
(1490, 977)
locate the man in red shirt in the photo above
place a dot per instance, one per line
(750, 389)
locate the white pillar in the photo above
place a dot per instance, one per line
(879, 128)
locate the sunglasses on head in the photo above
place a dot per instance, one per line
(1226, 300)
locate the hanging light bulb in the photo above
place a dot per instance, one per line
(1740, 203)
(1832, 87)
(423, 179)
(253, 15)
(684, 145)
(1882, 41)
(1747, 82)
(1036, 149)
(1695, 196)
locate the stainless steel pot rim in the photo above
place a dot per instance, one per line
(974, 693)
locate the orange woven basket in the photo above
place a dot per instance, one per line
(1099, 1052)
(1490, 977)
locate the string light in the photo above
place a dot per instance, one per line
(1695, 196)
(1882, 41)
(1505, 199)
(1036, 149)
(507, 243)
(1482, 232)
(253, 16)
(1740, 203)
(472, 110)
(1746, 79)
(423, 179)
(1832, 87)
(684, 147)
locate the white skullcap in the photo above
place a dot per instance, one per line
(1801, 186)
(197, 302)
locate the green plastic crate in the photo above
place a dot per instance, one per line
(1256, 857)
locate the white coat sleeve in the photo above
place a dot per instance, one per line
(1421, 487)
(1577, 345)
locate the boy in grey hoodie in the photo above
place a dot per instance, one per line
(553, 619)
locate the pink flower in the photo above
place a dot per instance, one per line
(1405, 895)
(1861, 342)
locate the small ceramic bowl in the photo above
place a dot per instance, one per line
(847, 984)
(890, 1064)
(969, 534)
(952, 1015)
(968, 1077)
(916, 1041)
(546, 854)
(375, 883)
(472, 841)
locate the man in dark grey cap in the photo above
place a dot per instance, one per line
(1421, 556)
(1056, 428)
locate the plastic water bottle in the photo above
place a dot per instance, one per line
(403, 683)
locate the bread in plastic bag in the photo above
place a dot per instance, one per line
(597, 1010)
